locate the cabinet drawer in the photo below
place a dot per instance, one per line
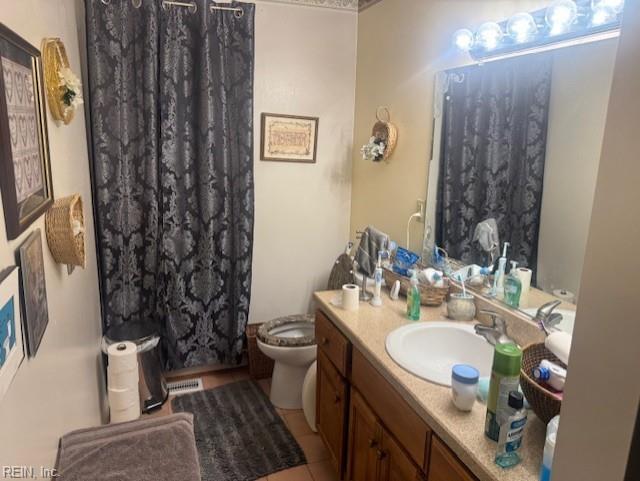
(394, 412)
(445, 466)
(332, 343)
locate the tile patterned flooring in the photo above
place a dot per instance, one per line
(318, 467)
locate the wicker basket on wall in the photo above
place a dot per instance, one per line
(260, 366)
(386, 131)
(64, 226)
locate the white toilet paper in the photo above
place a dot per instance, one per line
(122, 356)
(122, 379)
(123, 398)
(123, 415)
(524, 275)
(350, 297)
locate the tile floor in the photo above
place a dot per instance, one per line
(318, 467)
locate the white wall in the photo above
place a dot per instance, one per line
(305, 65)
(602, 393)
(58, 390)
(580, 89)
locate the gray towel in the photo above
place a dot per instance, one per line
(152, 449)
(371, 242)
(486, 234)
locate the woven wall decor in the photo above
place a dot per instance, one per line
(386, 131)
(63, 87)
(64, 225)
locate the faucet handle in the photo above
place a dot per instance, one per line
(496, 320)
(548, 308)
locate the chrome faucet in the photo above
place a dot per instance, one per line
(497, 332)
(546, 318)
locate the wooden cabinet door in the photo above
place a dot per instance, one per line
(395, 464)
(445, 466)
(364, 441)
(331, 410)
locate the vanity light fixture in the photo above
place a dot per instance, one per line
(489, 35)
(522, 27)
(562, 23)
(560, 16)
(463, 39)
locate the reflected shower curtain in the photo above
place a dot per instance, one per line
(171, 101)
(494, 141)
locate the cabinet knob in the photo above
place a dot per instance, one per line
(324, 341)
(336, 398)
(373, 443)
(381, 454)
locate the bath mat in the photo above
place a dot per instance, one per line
(239, 434)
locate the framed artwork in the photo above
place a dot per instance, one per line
(289, 138)
(34, 291)
(11, 347)
(25, 173)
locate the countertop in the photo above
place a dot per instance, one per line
(368, 328)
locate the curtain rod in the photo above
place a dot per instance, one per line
(238, 11)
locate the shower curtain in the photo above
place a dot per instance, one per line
(494, 141)
(171, 104)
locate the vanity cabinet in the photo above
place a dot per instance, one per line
(331, 412)
(373, 454)
(444, 466)
(332, 390)
(371, 432)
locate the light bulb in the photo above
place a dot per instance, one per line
(560, 15)
(522, 27)
(603, 15)
(463, 39)
(616, 5)
(489, 35)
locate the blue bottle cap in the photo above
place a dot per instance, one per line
(465, 374)
(541, 373)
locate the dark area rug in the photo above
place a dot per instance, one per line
(239, 434)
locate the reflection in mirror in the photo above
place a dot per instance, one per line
(516, 151)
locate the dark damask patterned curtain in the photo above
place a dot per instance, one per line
(493, 154)
(171, 100)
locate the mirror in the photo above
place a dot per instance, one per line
(515, 158)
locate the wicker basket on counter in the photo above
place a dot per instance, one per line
(544, 403)
(429, 295)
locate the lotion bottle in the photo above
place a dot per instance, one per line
(376, 301)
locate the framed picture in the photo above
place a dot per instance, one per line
(289, 138)
(25, 173)
(11, 348)
(34, 291)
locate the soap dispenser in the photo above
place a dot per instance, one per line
(498, 280)
(513, 287)
(413, 298)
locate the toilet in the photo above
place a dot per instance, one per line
(290, 341)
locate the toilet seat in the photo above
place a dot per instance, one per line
(289, 331)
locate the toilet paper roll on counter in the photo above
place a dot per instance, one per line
(565, 296)
(524, 275)
(350, 297)
(123, 415)
(123, 356)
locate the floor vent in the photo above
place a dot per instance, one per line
(183, 387)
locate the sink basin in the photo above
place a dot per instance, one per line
(566, 324)
(430, 349)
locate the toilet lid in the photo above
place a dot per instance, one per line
(289, 331)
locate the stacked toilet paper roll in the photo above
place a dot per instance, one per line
(524, 275)
(122, 375)
(350, 297)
